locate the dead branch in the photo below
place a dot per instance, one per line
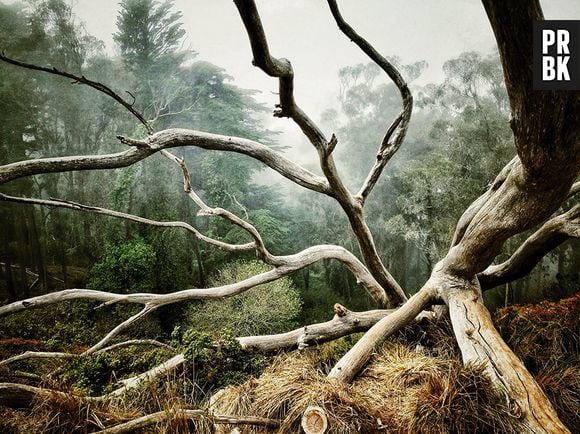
(121, 327)
(37, 355)
(83, 80)
(104, 211)
(349, 366)
(280, 68)
(171, 138)
(16, 395)
(22, 396)
(477, 204)
(574, 190)
(552, 233)
(400, 124)
(135, 342)
(181, 414)
(292, 263)
(139, 380)
(344, 323)
(20, 169)
(205, 210)
(59, 355)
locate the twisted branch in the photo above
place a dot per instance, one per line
(400, 124)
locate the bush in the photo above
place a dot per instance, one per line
(264, 309)
(98, 373)
(126, 267)
(220, 362)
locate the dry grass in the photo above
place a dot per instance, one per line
(541, 333)
(402, 391)
(57, 414)
(546, 336)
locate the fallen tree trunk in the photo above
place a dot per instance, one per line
(345, 322)
(16, 395)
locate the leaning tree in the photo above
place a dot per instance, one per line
(525, 194)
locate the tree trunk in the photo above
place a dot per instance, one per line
(480, 342)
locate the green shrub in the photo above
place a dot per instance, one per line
(218, 362)
(125, 267)
(99, 373)
(264, 309)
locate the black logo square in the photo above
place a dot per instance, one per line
(557, 55)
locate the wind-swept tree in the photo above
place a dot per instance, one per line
(524, 195)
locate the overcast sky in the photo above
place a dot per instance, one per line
(304, 32)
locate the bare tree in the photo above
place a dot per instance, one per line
(525, 194)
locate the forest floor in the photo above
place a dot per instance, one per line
(415, 383)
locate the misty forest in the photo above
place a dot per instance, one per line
(169, 264)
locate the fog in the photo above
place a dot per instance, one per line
(304, 32)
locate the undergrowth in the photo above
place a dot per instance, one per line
(414, 384)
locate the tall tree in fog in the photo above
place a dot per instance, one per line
(148, 33)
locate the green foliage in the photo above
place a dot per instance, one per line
(471, 142)
(220, 362)
(267, 308)
(127, 267)
(147, 32)
(67, 325)
(98, 373)
(122, 186)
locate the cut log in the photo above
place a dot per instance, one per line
(314, 420)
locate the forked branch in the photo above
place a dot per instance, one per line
(280, 68)
(391, 142)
